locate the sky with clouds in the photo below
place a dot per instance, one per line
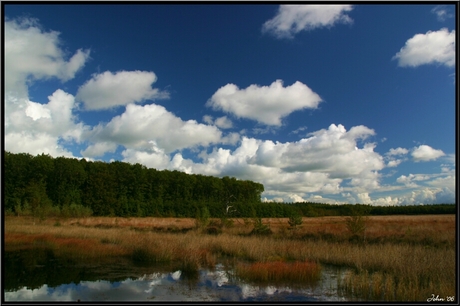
(323, 103)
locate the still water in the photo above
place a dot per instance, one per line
(42, 277)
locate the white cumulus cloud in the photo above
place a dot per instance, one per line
(40, 128)
(442, 192)
(318, 164)
(390, 156)
(428, 196)
(154, 158)
(428, 188)
(429, 48)
(397, 151)
(443, 182)
(426, 153)
(292, 19)
(107, 90)
(32, 54)
(98, 149)
(265, 104)
(331, 150)
(394, 162)
(142, 127)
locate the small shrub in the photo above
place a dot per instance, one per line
(260, 228)
(295, 220)
(356, 225)
(202, 218)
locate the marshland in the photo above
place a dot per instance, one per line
(383, 258)
(69, 222)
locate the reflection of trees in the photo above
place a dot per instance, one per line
(191, 278)
(35, 267)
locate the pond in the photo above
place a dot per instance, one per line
(36, 275)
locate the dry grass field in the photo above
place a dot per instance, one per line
(436, 228)
(401, 258)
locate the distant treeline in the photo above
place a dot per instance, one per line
(316, 209)
(42, 186)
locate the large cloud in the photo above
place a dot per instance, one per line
(109, 90)
(426, 153)
(429, 48)
(331, 151)
(265, 104)
(292, 19)
(148, 126)
(40, 128)
(315, 165)
(31, 54)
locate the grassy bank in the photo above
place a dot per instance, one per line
(412, 256)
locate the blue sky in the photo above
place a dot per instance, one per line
(323, 103)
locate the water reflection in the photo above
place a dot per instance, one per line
(159, 285)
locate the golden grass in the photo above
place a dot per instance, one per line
(420, 260)
(419, 228)
(389, 287)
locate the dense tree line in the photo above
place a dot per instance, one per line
(43, 185)
(119, 189)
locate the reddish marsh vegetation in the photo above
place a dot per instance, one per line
(280, 271)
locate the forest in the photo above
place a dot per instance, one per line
(45, 186)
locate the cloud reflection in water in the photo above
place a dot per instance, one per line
(210, 286)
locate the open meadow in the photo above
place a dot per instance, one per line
(396, 258)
